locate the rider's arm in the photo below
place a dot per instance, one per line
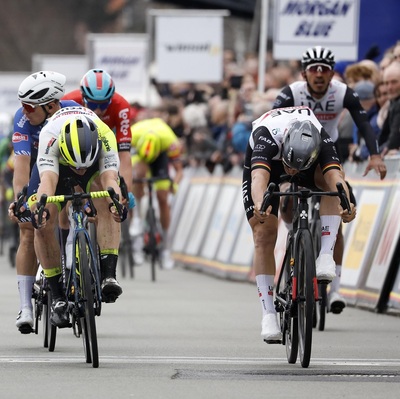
(48, 184)
(21, 172)
(284, 98)
(360, 118)
(264, 149)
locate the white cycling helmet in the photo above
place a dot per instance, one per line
(42, 87)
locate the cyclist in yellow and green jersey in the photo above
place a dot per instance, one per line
(156, 149)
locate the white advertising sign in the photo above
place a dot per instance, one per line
(72, 66)
(189, 49)
(9, 84)
(124, 57)
(300, 24)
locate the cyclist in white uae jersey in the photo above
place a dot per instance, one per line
(291, 141)
(328, 97)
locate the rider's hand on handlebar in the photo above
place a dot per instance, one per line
(346, 218)
(261, 216)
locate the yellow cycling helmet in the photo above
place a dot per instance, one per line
(148, 147)
(79, 142)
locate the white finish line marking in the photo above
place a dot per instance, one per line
(202, 360)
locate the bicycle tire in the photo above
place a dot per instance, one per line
(323, 306)
(86, 289)
(50, 328)
(305, 263)
(96, 253)
(152, 244)
(287, 318)
(125, 257)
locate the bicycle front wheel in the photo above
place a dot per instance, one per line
(322, 306)
(287, 311)
(305, 262)
(152, 245)
(87, 286)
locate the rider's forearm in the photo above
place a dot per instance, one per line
(110, 179)
(21, 172)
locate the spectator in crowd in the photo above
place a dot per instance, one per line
(390, 135)
(383, 102)
(366, 93)
(356, 72)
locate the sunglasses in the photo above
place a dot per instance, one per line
(93, 105)
(315, 68)
(29, 108)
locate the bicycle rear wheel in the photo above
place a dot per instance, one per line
(305, 294)
(87, 286)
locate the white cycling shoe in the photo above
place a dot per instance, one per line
(325, 268)
(336, 303)
(270, 331)
(24, 321)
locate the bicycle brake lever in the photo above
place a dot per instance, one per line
(344, 201)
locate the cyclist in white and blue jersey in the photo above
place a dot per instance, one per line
(40, 95)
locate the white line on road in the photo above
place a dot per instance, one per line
(202, 360)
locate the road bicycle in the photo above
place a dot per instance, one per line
(152, 233)
(296, 291)
(82, 281)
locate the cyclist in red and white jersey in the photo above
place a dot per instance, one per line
(97, 92)
(328, 97)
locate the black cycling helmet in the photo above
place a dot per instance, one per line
(318, 55)
(301, 145)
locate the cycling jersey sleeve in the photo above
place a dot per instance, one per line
(21, 138)
(360, 118)
(264, 149)
(284, 98)
(122, 120)
(109, 159)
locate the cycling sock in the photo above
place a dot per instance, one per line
(265, 287)
(108, 265)
(335, 284)
(56, 287)
(25, 284)
(329, 228)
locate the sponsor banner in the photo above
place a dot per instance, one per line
(300, 24)
(72, 66)
(186, 51)
(124, 57)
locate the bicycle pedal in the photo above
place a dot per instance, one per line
(273, 341)
(324, 281)
(26, 329)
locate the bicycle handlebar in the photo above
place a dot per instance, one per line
(304, 194)
(78, 196)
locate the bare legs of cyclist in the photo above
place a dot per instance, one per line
(47, 248)
(26, 265)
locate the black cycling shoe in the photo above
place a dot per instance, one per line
(59, 314)
(110, 290)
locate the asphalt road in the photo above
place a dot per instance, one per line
(190, 335)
